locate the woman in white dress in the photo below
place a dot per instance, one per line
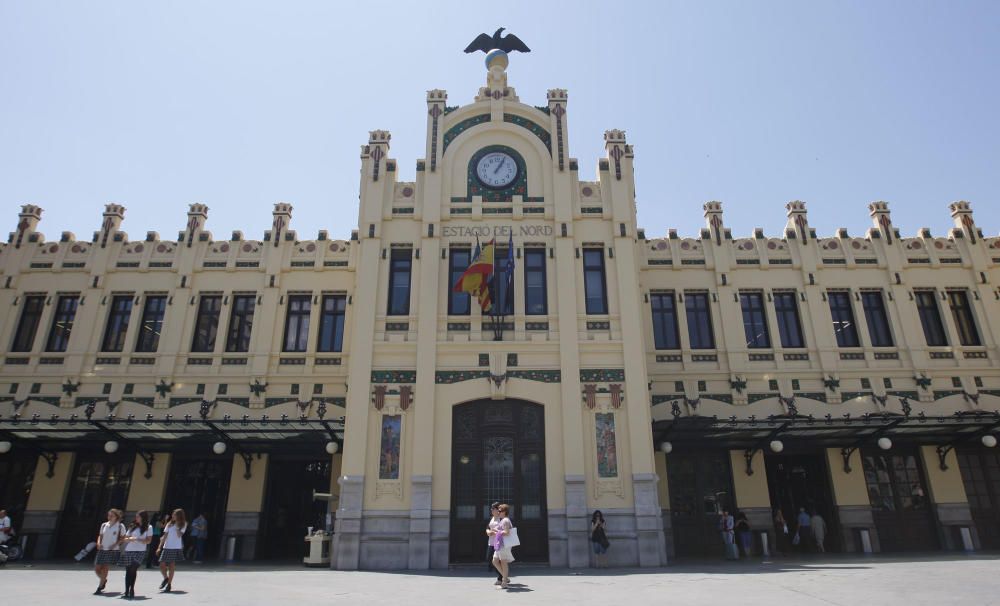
(109, 539)
(502, 556)
(137, 539)
(171, 549)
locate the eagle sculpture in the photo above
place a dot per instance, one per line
(507, 44)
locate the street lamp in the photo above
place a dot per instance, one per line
(111, 447)
(884, 443)
(777, 445)
(989, 441)
(332, 447)
(5, 446)
(666, 448)
(219, 448)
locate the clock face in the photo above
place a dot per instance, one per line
(496, 170)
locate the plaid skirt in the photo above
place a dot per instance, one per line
(106, 557)
(133, 557)
(169, 556)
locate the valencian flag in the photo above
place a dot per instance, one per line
(476, 279)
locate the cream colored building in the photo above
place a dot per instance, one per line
(659, 380)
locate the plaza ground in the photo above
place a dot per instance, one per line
(884, 580)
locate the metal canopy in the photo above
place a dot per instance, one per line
(167, 434)
(799, 431)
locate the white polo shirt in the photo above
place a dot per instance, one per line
(175, 536)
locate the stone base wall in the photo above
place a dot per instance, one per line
(245, 526)
(951, 518)
(40, 528)
(854, 518)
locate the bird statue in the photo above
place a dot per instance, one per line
(507, 44)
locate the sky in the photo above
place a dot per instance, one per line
(157, 105)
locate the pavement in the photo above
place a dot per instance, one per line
(849, 580)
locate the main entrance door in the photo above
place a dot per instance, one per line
(289, 508)
(899, 500)
(981, 475)
(498, 454)
(801, 480)
(701, 486)
(100, 482)
(201, 485)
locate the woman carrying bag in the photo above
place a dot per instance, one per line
(502, 539)
(599, 537)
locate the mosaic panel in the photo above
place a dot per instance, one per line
(388, 464)
(607, 454)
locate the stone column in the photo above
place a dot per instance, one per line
(850, 493)
(148, 493)
(45, 505)
(947, 493)
(243, 508)
(752, 496)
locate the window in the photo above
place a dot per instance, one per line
(241, 323)
(399, 282)
(62, 323)
(114, 332)
(755, 320)
(786, 311)
(930, 317)
(536, 301)
(843, 319)
(458, 261)
(958, 300)
(877, 319)
(503, 301)
(297, 322)
(152, 323)
(331, 323)
(31, 315)
(699, 319)
(594, 287)
(207, 324)
(665, 333)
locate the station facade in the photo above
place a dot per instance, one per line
(660, 380)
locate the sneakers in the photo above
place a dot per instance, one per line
(497, 582)
(164, 583)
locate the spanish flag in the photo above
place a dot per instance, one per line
(476, 279)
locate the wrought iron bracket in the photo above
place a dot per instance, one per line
(50, 458)
(248, 462)
(944, 449)
(147, 458)
(847, 452)
(942, 453)
(749, 453)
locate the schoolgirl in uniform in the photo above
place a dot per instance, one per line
(109, 539)
(171, 549)
(137, 539)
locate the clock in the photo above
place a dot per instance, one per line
(496, 170)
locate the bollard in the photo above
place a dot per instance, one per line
(967, 538)
(230, 548)
(764, 551)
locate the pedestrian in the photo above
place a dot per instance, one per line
(726, 527)
(599, 537)
(818, 531)
(780, 532)
(157, 533)
(744, 533)
(199, 532)
(803, 530)
(109, 539)
(6, 529)
(494, 517)
(502, 555)
(137, 539)
(171, 548)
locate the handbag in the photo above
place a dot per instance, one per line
(511, 540)
(796, 540)
(600, 537)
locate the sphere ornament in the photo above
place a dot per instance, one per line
(777, 445)
(498, 58)
(332, 447)
(219, 448)
(884, 443)
(111, 447)
(5, 447)
(666, 448)
(989, 441)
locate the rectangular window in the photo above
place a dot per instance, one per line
(331, 323)
(458, 261)
(62, 323)
(595, 290)
(536, 301)
(755, 320)
(961, 312)
(665, 333)
(877, 319)
(930, 317)
(699, 319)
(786, 311)
(297, 323)
(152, 324)
(31, 315)
(503, 301)
(843, 319)
(207, 325)
(241, 323)
(399, 282)
(118, 317)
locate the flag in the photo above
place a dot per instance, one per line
(508, 293)
(476, 279)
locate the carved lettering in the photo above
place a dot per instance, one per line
(495, 231)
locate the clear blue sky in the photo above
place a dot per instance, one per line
(242, 104)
